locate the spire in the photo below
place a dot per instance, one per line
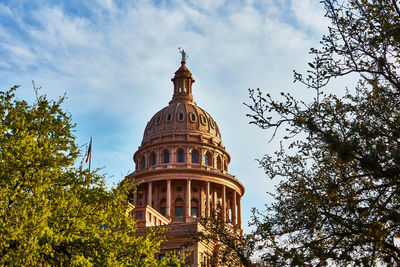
(183, 81)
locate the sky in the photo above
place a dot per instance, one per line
(114, 60)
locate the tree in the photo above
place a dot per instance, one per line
(226, 240)
(53, 212)
(339, 201)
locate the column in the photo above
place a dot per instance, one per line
(157, 199)
(201, 204)
(239, 213)
(150, 193)
(135, 196)
(215, 199)
(224, 202)
(234, 222)
(173, 154)
(208, 199)
(188, 197)
(168, 198)
(201, 155)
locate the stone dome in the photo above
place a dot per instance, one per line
(182, 125)
(182, 118)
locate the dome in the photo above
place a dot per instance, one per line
(182, 125)
(182, 118)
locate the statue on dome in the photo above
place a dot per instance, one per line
(184, 55)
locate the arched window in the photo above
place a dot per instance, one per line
(149, 124)
(208, 159)
(180, 156)
(163, 205)
(225, 166)
(195, 156)
(192, 117)
(178, 207)
(212, 123)
(219, 163)
(153, 159)
(203, 119)
(166, 157)
(194, 207)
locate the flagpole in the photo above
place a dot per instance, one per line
(90, 155)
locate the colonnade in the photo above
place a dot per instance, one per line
(229, 207)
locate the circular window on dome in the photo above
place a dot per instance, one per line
(203, 119)
(195, 189)
(158, 119)
(181, 116)
(149, 124)
(192, 117)
(169, 116)
(179, 189)
(212, 123)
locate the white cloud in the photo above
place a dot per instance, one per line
(20, 55)
(310, 14)
(116, 69)
(107, 4)
(5, 10)
(208, 5)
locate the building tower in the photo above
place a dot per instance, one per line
(182, 169)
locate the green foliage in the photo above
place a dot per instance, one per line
(53, 213)
(227, 240)
(340, 201)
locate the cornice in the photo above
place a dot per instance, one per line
(173, 141)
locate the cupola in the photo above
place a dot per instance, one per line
(183, 81)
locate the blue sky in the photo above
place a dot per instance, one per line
(115, 59)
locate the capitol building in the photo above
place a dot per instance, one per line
(182, 171)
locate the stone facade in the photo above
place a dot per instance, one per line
(182, 171)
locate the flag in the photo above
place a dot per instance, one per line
(89, 152)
